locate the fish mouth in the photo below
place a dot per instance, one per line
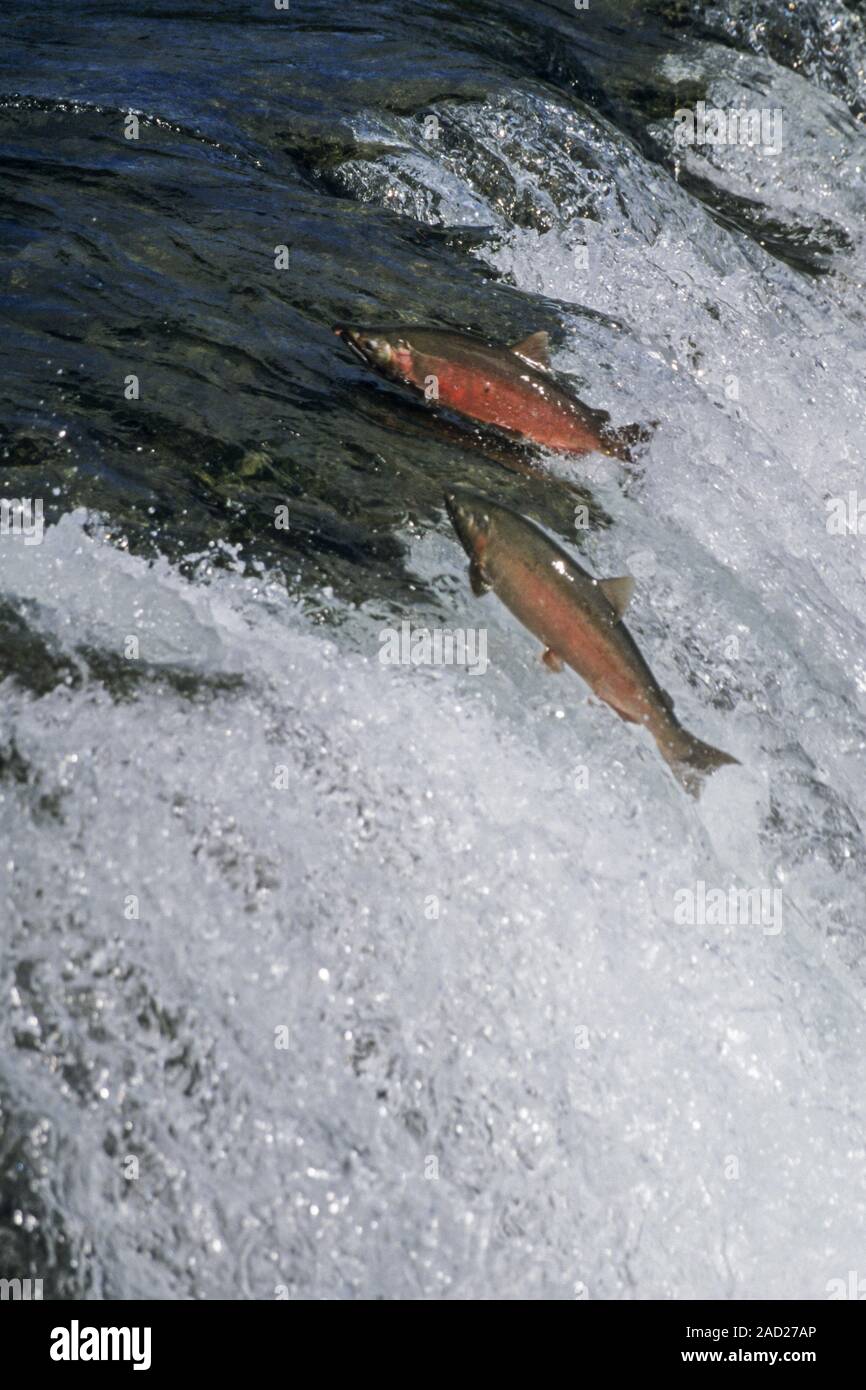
(371, 346)
(456, 516)
(458, 496)
(468, 513)
(350, 337)
(455, 506)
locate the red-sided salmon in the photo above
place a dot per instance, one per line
(579, 621)
(512, 388)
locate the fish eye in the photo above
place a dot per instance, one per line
(401, 343)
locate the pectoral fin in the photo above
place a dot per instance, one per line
(551, 660)
(479, 584)
(534, 349)
(617, 592)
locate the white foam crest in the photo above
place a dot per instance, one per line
(483, 1101)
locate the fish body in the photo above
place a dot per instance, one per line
(509, 387)
(578, 620)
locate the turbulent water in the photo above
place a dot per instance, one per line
(327, 978)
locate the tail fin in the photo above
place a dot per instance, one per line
(619, 443)
(691, 761)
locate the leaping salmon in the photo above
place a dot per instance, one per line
(512, 388)
(579, 621)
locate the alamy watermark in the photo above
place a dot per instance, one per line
(853, 1288)
(22, 516)
(77, 1343)
(438, 646)
(846, 516)
(733, 907)
(711, 125)
(20, 1289)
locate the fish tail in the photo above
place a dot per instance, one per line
(691, 760)
(619, 443)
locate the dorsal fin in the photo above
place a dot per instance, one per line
(534, 349)
(617, 592)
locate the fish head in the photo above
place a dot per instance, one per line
(380, 348)
(472, 519)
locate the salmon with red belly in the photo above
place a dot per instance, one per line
(537, 410)
(578, 620)
(512, 388)
(570, 614)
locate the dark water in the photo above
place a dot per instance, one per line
(155, 257)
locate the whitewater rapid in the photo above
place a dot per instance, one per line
(381, 996)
